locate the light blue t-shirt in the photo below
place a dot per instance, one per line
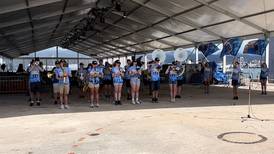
(117, 78)
(134, 69)
(34, 75)
(173, 76)
(155, 72)
(94, 80)
(60, 73)
(236, 73)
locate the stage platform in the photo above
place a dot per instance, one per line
(195, 124)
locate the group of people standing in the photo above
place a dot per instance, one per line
(109, 79)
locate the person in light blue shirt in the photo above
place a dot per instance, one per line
(62, 74)
(135, 75)
(55, 83)
(173, 77)
(154, 71)
(207, 77)
(117, 75)
(236, 79)
(181, 69)
(263, 77)
(35, 81)
(94, 77)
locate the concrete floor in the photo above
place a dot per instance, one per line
(191, 125)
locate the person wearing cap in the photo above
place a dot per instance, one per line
(155, 79)
(117, 75)
(81, 74)
(94, 75)
(127, 79)
(35, 81)
(62, 74)
(236, 79)
(55, 82)
(135, 75)
(173, 76)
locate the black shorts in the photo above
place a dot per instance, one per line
(35, 87)
(155, 85)
(127, 83)
(180, 82)
(235, 83)
(107, 82)
(263, 78)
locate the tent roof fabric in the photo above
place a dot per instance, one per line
(32, 25)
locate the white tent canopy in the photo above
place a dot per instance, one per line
(138, 26)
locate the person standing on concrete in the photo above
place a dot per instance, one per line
(155, 79)
(55, 83)
(135, 75)
(117, 74)
(207, 77)
(81, 74)
(62, 74)
(173, 77)
(35, 82)
(236, 79)
(94, 75)
(263, 77)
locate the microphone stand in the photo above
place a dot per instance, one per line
(249, 106)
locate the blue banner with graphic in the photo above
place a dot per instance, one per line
(231, 47)
(208, 49)
(256, 47)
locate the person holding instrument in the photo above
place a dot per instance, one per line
(94, 75)
(62, 74)
(155, 69)
(263, 77)
(55, 83)
(35, 81)
(172, 72)
(117, 74)
(135, 74)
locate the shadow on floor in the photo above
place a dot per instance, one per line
(17, 105)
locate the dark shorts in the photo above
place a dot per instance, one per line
(172, 82)
(180, 82)
(127, 83)
(155, 85)
(235, 83)
(35, 87)
(107, 82)
(263, 78)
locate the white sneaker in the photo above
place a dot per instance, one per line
(91, 105)
(66, 107)
(133, 102)
(62, 107)
(138, 102)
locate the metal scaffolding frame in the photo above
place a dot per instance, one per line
(32, 25)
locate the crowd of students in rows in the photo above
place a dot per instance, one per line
(111, 78)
